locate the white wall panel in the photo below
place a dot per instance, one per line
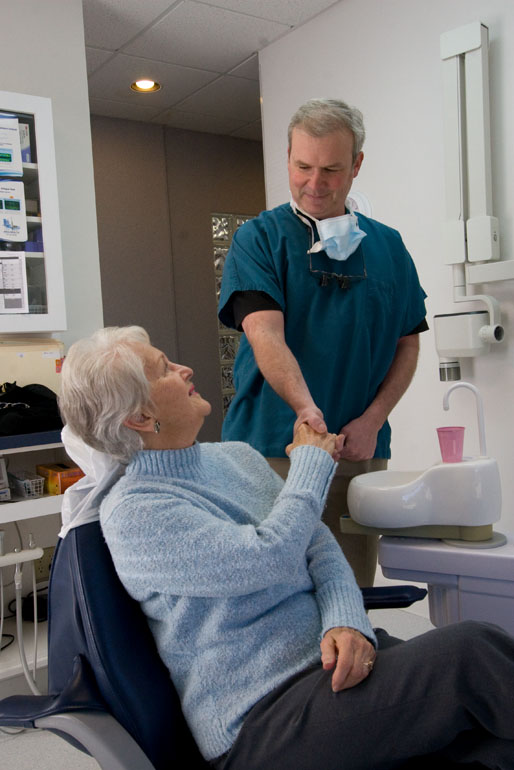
(383, 56)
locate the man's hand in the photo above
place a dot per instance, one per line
(305, 435)
(360, 435)
(350, 653)
(360, 439)
(312, 416)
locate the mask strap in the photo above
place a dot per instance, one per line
(312, 224)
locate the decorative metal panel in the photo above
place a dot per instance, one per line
(223, 228)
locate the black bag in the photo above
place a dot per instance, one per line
(29, 409)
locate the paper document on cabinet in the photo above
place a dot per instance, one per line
(13, 219)
(10, 148)
(13, 282)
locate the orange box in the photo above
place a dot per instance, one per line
(59, 476)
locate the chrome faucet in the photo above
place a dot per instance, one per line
(480, 410)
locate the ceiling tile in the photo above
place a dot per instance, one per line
(203, 52)
(292, 12)
(211, 124)
(248, 69)
(112, 81)
(204, 36)
(233, 97)
(251, 131)
(120, 110)
(111, 23)
(95, 58)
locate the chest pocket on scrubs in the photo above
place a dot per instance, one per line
(381, 313)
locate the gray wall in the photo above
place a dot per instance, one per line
(156, 189)
(134, 228)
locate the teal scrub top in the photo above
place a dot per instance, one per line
(343, 339)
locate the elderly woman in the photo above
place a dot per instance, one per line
(253, 607)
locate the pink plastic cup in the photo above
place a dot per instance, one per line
(451, 441)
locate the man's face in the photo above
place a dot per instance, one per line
(321, 171)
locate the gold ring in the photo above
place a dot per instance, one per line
(369, 664)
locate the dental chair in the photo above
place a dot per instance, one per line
(110, 694)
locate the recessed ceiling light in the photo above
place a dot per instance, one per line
(145, 86)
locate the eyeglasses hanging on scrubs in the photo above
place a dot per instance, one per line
(343, 281)
(339, 237)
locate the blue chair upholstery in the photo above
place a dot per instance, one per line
(110, 693)
(102, 657)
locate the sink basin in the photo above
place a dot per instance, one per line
(463, 494)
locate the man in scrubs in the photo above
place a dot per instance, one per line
(331, 308)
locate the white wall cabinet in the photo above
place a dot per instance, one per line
(21, 510)
(44, 268)
(27, 457)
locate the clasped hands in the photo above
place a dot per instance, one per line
(305, 435)
(356, 441)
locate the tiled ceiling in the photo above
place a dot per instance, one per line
(202, 52)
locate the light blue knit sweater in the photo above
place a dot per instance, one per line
(235, 572)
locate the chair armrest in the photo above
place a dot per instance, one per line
(383, 597)
(101, 736)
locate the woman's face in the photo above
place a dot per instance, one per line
(175, 404)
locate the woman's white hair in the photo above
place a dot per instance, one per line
(319, 117)
(103, 384)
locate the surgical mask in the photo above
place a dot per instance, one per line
(339, 236)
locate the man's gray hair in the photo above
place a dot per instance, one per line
(319, 117)
(104, 383)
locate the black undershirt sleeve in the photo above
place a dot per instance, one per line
(242, 303)
(421, 327)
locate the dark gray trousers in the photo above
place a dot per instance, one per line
(443, 699)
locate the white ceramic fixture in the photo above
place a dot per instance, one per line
(460, 494)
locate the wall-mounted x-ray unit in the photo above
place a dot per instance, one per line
(471, 234)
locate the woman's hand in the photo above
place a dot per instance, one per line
(350, 653)
(304, 435)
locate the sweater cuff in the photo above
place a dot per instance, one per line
(311, 469)
(342, 605)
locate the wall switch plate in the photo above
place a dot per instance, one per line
(43, 564)
(4, 482)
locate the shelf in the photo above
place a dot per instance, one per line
(20, 508)
(30, 172)
(34, 255)
(33, 223)
(30, 508)
(30, 442)
(31, 448)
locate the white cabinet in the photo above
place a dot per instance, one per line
(44, 269)
(21, 509)
(27, 457)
